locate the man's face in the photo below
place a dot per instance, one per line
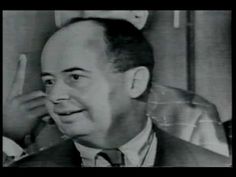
(85, 97)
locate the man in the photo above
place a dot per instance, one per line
(30, 107)
(97, 75)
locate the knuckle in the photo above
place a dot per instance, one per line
(15, 101)
(31, 116)
(41, 100)
(39, 93)
(35, 94)
(18, 99)
(36, 113)
(40, 111)
(23, 107)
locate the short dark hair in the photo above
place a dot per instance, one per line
(127, 47)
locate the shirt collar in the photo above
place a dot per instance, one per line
(134, 150)
(86, 152)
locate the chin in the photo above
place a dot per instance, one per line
(74, 130)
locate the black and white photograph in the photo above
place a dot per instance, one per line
(117, 88)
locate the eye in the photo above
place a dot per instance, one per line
(48, 82)
(75, 77)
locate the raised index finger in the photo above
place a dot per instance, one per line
(18, 83)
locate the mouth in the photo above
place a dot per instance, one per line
(70, 116)
(68, 113)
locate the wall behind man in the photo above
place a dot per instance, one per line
(169, 46)
(211, 57)
(24, 32)
(27, 31)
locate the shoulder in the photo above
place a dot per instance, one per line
(61, 155)
(173, 151)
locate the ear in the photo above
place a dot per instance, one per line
(137, 81)
(139, 18)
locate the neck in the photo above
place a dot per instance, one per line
(129, 127)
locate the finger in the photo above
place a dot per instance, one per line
(39, 112)
(18, 83)
(30, 96)
(47, 119)
(35, 103)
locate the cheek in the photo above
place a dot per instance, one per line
(110, 101)
(96, 99)
(100, 96)
(95, 94)
(118, 101)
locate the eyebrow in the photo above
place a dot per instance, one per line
(74, 69)
(45, 74)
(66, 71)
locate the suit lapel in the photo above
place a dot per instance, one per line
(66, 155)
(165, 153)
(173, 152)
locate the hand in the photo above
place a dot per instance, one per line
(22, 112)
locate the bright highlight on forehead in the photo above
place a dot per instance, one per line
(80, 32)
(84, 34)
(77, 45)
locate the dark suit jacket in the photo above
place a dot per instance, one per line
(171, 152)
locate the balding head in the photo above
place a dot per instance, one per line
(125, 46)
(78, 36)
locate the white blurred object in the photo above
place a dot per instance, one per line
(11, 148)
(176, 18)
(137, 17)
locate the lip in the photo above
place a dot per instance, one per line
(69, 116)
(68, 113)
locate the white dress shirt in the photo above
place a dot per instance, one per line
(138, 152)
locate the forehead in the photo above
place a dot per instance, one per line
(81, 43)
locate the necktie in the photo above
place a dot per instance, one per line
(114, 156)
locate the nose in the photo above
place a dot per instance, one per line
(59, 92)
